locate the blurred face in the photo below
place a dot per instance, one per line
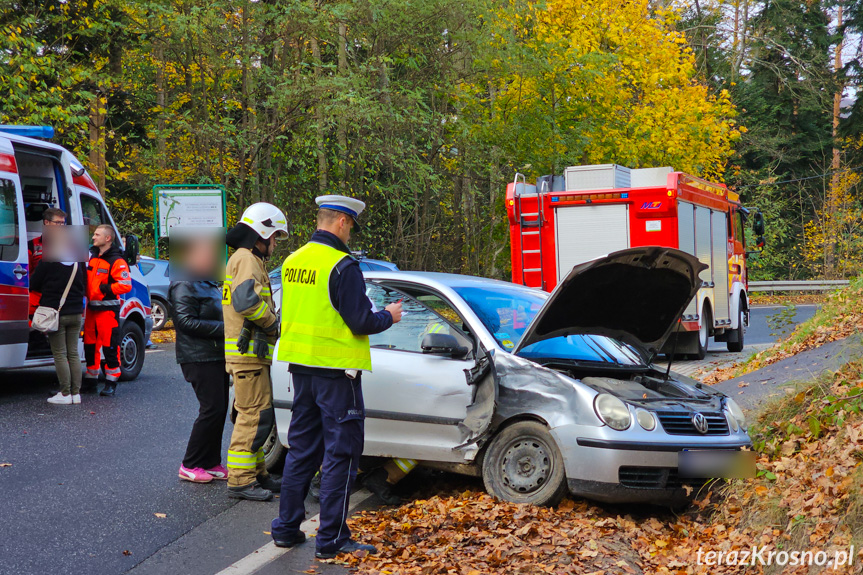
(101, 239)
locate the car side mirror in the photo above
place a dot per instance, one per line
(442, 344)
(758, 224)
(133, 248)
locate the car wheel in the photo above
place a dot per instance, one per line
(274, 452)
(160, 314)
(131, 350)
(704, 333)
(524, 465)
(735, 346)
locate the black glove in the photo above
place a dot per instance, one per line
(273, 330)
(261, 344)
(106, 291)
(245, 336)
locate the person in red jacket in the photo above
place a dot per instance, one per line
(108, 277)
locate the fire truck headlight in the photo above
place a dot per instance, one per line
(645, 419)
(612, 411)
(736, 412)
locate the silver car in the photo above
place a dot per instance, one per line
(542, 394)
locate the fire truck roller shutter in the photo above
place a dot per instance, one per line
(588, 232)
(721, 311)
(686, 242)
(704, 253)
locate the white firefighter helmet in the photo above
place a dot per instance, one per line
(266, 219)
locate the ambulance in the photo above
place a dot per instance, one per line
(590, 211)
(35, 175)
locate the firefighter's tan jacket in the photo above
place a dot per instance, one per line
(246, 294)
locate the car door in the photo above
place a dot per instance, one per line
(414, 400)
(14, 279)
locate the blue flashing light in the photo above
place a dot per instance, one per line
(555, 199)
(624, 195)
(44, 132)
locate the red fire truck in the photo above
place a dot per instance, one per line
(591, 211)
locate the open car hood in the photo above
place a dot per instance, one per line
(634, 295)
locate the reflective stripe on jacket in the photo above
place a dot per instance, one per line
(313, 332)
(246, 294)
(108, 277)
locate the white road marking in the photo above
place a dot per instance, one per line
(265, 555)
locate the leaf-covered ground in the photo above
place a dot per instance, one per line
(840, 316)
(806, 498)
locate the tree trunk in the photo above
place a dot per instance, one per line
(319, 117)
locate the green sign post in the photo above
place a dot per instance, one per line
(187, 206)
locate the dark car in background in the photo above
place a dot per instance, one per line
(157, 275)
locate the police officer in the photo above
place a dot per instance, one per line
(250, 333)
(326, 321)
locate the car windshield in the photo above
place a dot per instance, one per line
(506, 311)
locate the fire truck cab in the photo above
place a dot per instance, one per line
(590, 211)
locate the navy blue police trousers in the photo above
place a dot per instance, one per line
(327, 425)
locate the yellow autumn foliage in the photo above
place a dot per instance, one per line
(599, 81)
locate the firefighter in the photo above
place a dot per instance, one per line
(251, 327)
(107, 278)
(326, 321)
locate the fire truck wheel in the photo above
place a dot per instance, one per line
(704, 332)
(523, 464)
(735, 346)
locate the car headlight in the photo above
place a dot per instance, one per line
(645, 419)
(736, 412)
(732, 422)
(612, 411)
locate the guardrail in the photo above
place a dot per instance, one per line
(798, 285)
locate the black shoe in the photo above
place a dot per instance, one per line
(315, 487)
(349, 547)
(89, 385)
(377, 483)
(270, 482)
(108, 390)
(252, 492)
(290, 540)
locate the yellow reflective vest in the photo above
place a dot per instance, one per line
(313, 332)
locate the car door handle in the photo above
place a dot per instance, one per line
(19, 271)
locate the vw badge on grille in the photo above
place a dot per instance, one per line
(700, 422)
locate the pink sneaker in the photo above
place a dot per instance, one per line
(218, 472)
(196, 475)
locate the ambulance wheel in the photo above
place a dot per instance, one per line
(274, 452)
(132, 346)
(523, 464)
(735, 346)
(704, 333)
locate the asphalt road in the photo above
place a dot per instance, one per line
(769, 323)
(85, 482)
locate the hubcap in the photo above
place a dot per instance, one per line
(158, 314)
(702, 333)
(526, 465)
(128, 350)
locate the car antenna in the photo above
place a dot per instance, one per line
(673, 351)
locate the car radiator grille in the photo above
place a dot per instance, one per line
(653, 478)
(680, 423)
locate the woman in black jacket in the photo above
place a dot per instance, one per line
(50, 278)
(197, 315)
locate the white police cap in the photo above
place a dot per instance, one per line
(344, 204)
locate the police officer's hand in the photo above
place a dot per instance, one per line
(395, 310)
(245, 336)
(260, 345)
